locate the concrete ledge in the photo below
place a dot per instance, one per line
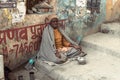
(104, 43)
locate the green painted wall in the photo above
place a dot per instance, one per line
(78, 23)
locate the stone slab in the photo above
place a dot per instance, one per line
(103, 43)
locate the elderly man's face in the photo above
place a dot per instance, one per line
(54, 23)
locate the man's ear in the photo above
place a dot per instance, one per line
(46, 20)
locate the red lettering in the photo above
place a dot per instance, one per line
(23, 33)
(31, 47)
(10, 34)
(37, 30)
(5, 51)
(39, 33)
(16, 35)
(26, 47)
(11, 51)
(16, 46)
(21, 48)
(34, 33)
(43, 26)
(2, 37)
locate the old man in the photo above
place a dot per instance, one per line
(56, 46)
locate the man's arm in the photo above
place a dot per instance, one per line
(65, 42)
(68, 44)
(76, 47)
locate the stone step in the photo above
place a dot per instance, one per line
(103, 43)
(111, 28)
(99, 67)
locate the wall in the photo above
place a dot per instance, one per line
(19, 40)
(78, 18)
(109, 5)
(113, 10)
(116, 10)
(19, 37)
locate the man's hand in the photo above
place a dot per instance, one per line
(57, 54)
(76, 47)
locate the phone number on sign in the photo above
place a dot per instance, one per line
(22, 48)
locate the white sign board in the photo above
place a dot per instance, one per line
(19, 16)
(81, 3)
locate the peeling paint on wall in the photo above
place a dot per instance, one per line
(79, 18)
(20, 43)
(101, 17)
(18, 14)
(8, 34)
(12, 15)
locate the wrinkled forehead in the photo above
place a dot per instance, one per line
(54, 19)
